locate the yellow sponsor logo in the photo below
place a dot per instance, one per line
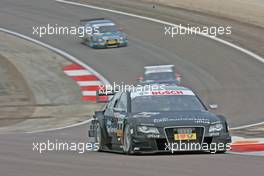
(119, 133)
(111, 42)
(184, 137)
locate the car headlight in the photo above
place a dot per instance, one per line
(216, 128)
(147, 130)
(100, 40)
(121, 38)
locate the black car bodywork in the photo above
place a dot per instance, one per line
(118, 122)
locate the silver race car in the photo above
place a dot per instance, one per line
(159, 74)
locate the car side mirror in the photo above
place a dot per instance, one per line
(178, 77)
(213, 106)
(98, 114)
(104, 96)
(140, 78)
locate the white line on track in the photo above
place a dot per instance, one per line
(246, 126)
(61, 128)
(248, 153)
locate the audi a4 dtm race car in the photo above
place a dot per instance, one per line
(166, 119)
(104, 33)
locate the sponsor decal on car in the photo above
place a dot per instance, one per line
(173, 92)
(195, 120)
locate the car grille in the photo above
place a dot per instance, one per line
(172, 131)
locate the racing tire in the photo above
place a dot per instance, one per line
(98, 136)
(127, 146)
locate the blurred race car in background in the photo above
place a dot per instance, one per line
(159, 74)
(146, 120)
(104, 34)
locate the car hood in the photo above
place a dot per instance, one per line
(163, 119)
(111, 35)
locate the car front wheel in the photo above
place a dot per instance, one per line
(127, 147)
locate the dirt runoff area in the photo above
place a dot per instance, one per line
(249, 11)
(35, 94)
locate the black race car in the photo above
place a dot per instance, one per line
(167, 119)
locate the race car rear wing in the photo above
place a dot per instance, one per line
(158, 69)
(84, 21)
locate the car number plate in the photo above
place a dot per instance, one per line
(185, 137)
(111, 42)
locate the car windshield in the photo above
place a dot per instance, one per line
(166, 103)
(105, 29)
(160, 76)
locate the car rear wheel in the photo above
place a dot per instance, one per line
(127, 146)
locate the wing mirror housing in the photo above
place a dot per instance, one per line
(98, 114)
(213, 106)
(104, 96)
(140, 78)
(178, 77)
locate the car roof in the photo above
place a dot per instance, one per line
(158, 69)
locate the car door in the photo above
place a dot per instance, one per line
(109, 117)
(120, 115)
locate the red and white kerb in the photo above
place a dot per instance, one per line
(88, 82)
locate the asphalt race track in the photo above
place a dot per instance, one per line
(220, 74)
